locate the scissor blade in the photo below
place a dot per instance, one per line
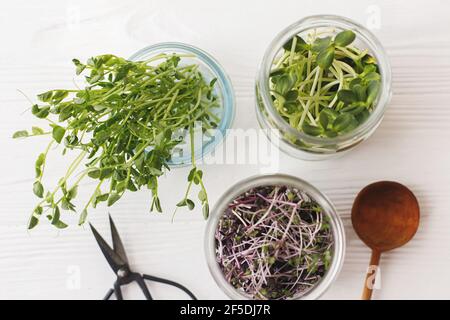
(117, 243)
(113, 259)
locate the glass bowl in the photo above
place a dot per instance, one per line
(210, 69)
(275, 179)
(299, 144)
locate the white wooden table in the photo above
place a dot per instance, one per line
(39, 39)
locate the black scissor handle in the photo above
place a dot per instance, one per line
(108, 294)
(143, 286)
(140, 281)
(117, 290)
(170, 283)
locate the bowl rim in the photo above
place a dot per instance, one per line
(311, 22)
(275, 179)
(226, 88)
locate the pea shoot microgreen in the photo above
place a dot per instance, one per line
(324, 86)
(122, 124)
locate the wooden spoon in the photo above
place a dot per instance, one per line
(385, 215)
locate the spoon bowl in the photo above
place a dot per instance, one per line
(385, 215)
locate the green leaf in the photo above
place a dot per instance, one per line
(202, 195)
(372, 76)
(154, 171)
(157, 204)
(182, 203)
(131, 186)
(83, 217)
(63, 183)
(46, 96)
(99, 198)
(55, 219)
(212, 82)
(369, 69)
(300, 44)
(49, 197)
(79, 100)
(198, 176)
(346, 96)
(60, 225)
(360, 92)
(72, 193)
(122, 72)
(342, 122)
(102, 197)
(113, 197)
(40, 112)
(80, 69)
(354, 82)
(66, 204)
(34, 220)
(20, 134)
(354, 108)
(330, 113)
(311, 130)
(285, 84)
(372, 91)
(353, 125)
(362, 116)
(79, 66)
(191, 174)
(38, 164)
(344, 38)
(58, 133)
(94, 173)
(321, 44)
(368, 59)
(121, 186)
(330, 133)
(59, 95)
(36, 130)
(291, 95)
(325, 58)
(106, 173)
(38, 189)
(324, 119)
(205, 210)
(190, 204)
(99, 108)
(56, 215)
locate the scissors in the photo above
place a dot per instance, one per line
(118, 261)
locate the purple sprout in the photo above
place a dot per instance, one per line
(274, 242)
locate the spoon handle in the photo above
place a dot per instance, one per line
(371, 275)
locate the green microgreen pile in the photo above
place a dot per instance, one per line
(123, 126)
(274, 242)
(324, 86)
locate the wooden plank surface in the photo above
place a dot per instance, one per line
(39, 39)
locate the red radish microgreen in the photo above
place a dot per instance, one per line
(274, 242)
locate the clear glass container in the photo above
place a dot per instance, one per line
(299, 144)
(209, 69)
(275, 179)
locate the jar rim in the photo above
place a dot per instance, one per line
(229, 103)
(316, 21)
(276, 179)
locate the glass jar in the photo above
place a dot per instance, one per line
(209, 69)
(275, 179)
(299, 144)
